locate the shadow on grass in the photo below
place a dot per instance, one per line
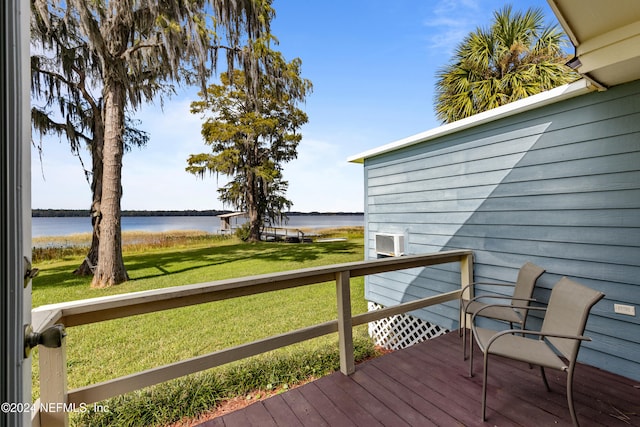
(174, 262)
(180, 260)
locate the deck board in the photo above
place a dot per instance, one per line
(280, 412)
(347, 404)
(383, 393)
(303, 409)
(363, 398)
(428, 385)
(323, 404)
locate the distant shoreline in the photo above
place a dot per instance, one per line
(69, 225)
(61, 213)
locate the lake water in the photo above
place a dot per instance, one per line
(63, 226)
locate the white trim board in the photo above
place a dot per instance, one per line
(552, 96)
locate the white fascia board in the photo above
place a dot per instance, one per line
(552, 96)
(611, 48)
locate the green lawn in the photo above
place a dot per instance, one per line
(101, 351)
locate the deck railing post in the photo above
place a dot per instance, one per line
(54, 411)
(466, 279)
(345, 323)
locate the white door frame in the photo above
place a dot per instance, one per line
(15, 212)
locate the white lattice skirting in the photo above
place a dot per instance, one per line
(401, 331)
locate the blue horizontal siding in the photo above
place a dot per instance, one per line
(558, 186)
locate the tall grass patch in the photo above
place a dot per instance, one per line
(50, 248)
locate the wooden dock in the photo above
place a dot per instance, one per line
(289, 235)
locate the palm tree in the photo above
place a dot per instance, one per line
(517, 56)
(143, 46)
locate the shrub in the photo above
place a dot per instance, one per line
(242, 232)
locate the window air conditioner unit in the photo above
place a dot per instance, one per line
(389, 244)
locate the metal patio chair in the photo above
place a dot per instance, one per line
(558, 340)
(515, 313)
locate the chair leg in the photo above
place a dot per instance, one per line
(470, 354)
(572, 411)
(463, 319)
(464, 343)
(484, 387)
(544, 378)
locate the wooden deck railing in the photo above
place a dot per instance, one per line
(53, 389)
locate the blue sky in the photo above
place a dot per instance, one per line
(372, 64)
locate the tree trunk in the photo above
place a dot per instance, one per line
(110, 269)
(255, 220)
(89, 264)
(91, 260)
(254, 226)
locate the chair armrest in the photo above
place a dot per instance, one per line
(494, 284)
(477, 313)
(536, 333)
(466, 303)
(464, 306)
(470, 285)
(498, 296)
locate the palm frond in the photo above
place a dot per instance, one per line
(515, 57)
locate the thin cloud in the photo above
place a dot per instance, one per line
(450, 23)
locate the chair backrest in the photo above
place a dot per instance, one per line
(526, 281)
(567, 313)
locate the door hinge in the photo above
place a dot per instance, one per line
(29, 273)
(50, 337)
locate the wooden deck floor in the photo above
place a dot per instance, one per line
(427, 385)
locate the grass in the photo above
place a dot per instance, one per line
(105, 350)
